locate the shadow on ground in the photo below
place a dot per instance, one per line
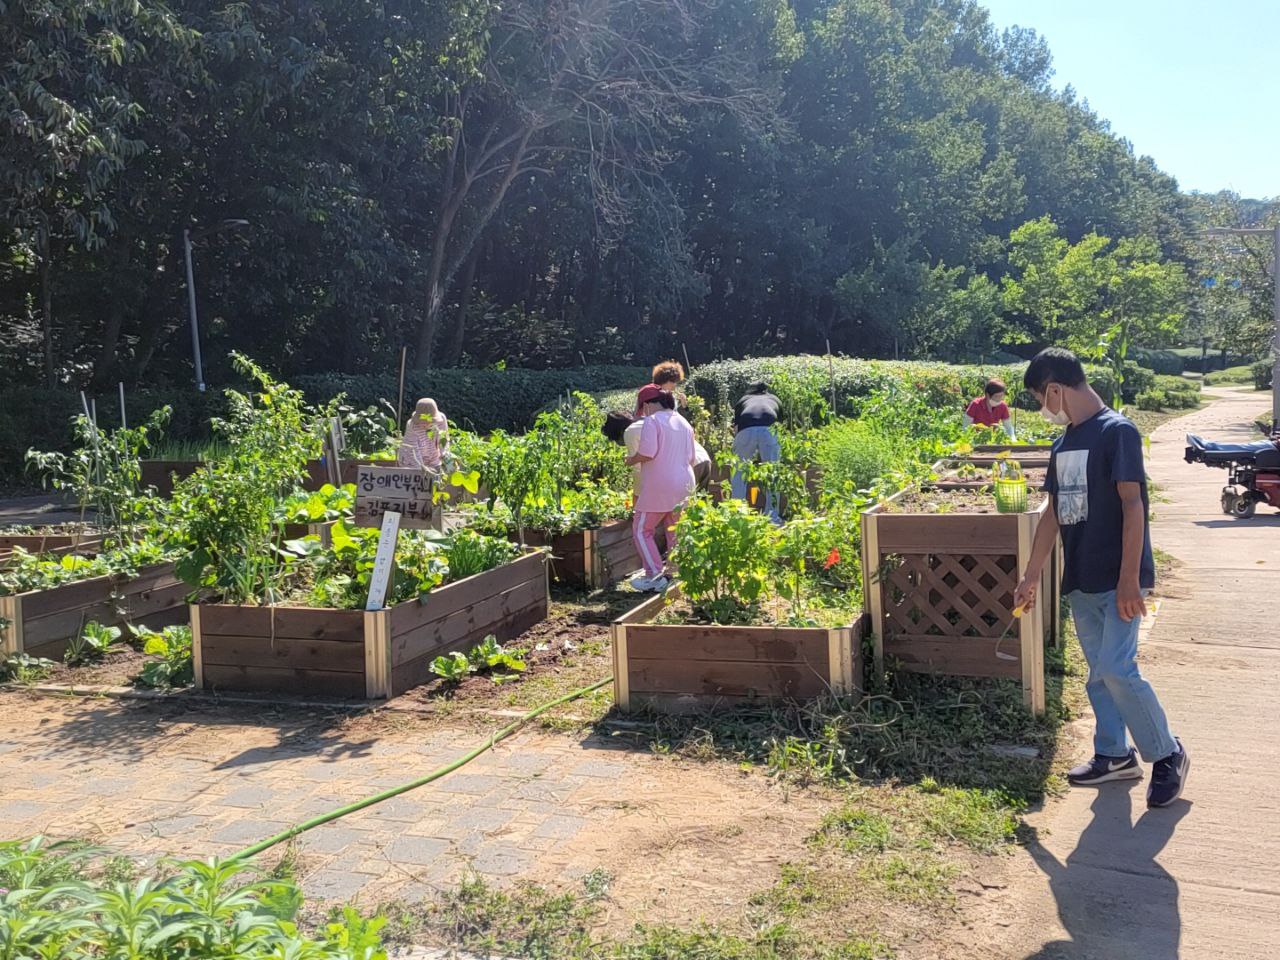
(135, 730)
(1111, 884)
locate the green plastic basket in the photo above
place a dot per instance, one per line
(1011, 494)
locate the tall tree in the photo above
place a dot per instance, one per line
(608, 80)
(69, 96)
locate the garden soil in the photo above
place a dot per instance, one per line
(1104, 878)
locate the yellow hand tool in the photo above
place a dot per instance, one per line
(1018, 611)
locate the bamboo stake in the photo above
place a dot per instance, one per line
(404, 353)
(124, 421)
(831, 373)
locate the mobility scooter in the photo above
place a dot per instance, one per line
(1253, 471)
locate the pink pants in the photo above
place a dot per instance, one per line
(643, 528)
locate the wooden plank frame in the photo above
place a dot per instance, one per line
(362, 654)
(160, 474)
(55, 543)
(678, 667)
(593, 558)
(41, 622)
(959, 542)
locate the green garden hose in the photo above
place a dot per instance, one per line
(462, 761)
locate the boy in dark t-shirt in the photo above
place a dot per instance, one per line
(1100, 506)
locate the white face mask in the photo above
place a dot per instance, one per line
(1061, 418)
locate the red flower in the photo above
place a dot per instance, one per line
(832, 558)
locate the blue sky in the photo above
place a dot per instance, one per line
(1194, 84)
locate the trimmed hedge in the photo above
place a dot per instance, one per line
(40, 418)
(1213, 361)
(1160, 361)
(478, 399)
(722, 383)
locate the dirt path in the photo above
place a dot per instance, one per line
(1106, 879)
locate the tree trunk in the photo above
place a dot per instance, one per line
(106, 361)
(453, 350)
(435, 298)
(46, 311)
(440, 272)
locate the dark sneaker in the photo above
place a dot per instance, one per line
(1101, 769)
(1168, 777)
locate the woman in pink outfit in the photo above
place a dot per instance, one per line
(426, 438)
(666, 454)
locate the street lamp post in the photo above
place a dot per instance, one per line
(1274, 233)
(187, 238)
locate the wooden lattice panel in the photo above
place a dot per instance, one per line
(940, 596)
(949, 595)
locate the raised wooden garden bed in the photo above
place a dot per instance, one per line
(41, 622)
(57, 543)
(592, 558)
(1027, 454)
(358, 653)
(161, 474)
(679, 668)
(951, 475)
(939, 590)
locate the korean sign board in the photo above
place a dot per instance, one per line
(404, 490)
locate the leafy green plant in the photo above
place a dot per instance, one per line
(25, 571)
(174, 668)
(369, 431)
(855, 452)
(320, 506)
(104, 471)
(469, 553)
(493, 656)
(52, 906)
(725, 553)
(453, 667)
(228, 514)
(24, 668)
(337, 574)
(489, 655)
(92, 643)
(561, 475)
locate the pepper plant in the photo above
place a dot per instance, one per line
(726, 554)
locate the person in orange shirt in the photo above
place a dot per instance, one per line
(990, 410)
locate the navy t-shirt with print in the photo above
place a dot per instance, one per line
(1086, 464)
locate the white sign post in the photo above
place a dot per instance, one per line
(382, 561)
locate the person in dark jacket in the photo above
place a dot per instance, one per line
(754, 419)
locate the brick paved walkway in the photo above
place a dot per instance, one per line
(150, 782)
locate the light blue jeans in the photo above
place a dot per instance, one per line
(749, 444)
(1120, 696)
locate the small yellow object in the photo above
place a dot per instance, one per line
(1019, 610)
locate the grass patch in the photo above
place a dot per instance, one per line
(1231, 375)
(1165, 562)
(534, 924)
(983, 820)
(1148, 420)
(915, 876)
(915, 727)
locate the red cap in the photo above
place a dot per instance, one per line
(648, 393)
